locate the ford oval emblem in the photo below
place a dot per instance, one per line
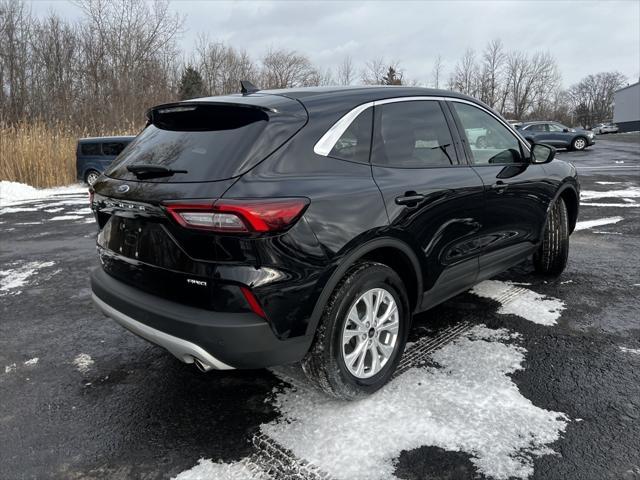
(122, 189)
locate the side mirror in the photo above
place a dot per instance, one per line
(566, 130)
(541, 153)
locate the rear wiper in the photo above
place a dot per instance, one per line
(151, 171)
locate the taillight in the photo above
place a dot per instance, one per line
(238, 216)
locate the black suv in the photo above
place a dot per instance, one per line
(309, 225)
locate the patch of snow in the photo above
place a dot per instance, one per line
(82, 211)
(83, 362)
(566, 281)
(634, 351)
(12, 193)
(520, 301)
(631, 192)
(28, 223)
(10, 368)
(17, 210)
(469, 404)
(606, 233)
(70, 201)
(31, 362)
(598, 204)
(66, 217)
(17, 277)
(54, 210)
(618, 161)
(608, 183)
(597, 223)
(208, 470)
(629, 200)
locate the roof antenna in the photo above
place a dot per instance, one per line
(246, 87)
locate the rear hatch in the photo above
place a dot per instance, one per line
(189, 154)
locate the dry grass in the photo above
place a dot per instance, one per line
(42, 155)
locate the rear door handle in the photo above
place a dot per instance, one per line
(410, 199)
(499, 186)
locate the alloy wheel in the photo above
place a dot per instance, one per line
(92, 177)
(370, 333)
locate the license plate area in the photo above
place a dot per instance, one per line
(125, 236)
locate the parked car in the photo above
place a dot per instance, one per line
(94, 154)
(603, 128)
(309, 225)
(557, 135)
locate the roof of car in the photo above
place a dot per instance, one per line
(346, 96)
(535, 122)
(106, 139)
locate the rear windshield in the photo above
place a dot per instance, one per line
(209, 141)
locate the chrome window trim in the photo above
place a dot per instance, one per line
(328, 140)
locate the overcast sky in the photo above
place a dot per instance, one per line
(585, 37)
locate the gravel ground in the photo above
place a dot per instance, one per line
(82, 398)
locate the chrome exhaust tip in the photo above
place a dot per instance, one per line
(200, 365)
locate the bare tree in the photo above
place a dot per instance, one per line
(222, 66)
(530, 81)
(15, 57)
(320, 77)
(346, 71)
(436, 74)
(465, 77)
(286, 68)
(491, 77)
(126, 49)
(374, 71)
(592, 97)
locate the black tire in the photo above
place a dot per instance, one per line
(91, 176)
(551, 257)
(579, 143)
(324, 365)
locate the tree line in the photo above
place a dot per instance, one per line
(105, 69)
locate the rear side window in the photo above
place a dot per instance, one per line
(355, 142)
(113, 148)
(90, 149)
(412, 135)
(210, 141)
(536, 128)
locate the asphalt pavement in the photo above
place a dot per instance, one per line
(560, 360)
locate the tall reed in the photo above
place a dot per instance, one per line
(42, 154)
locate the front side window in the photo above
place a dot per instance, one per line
(412, 135)
(498, 145)
(355, 142)
(90, 149)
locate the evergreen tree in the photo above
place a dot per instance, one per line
(191, 84)
(392, 77)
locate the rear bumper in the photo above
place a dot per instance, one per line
(217, 340)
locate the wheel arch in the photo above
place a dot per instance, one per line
(390, 251)
(571, 200)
